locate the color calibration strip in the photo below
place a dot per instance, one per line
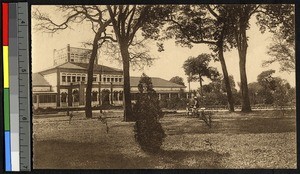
(5, 29)
(17, 121)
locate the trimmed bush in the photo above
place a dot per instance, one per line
(147, 112)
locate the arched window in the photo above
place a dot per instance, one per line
(121, 95)
(63, 97)
(105, 96)
(116, 95)
(75, 96)
(94, 95)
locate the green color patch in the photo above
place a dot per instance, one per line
(6, 110)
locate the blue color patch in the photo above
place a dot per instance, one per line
(7, 152)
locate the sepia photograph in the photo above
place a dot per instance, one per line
(174, 86)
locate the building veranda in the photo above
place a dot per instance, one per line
(64, 84)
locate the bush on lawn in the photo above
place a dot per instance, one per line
(148, 131)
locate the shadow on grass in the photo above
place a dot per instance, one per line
(184, 159)
(74, 155)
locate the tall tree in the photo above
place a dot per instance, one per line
(198, 67)
(271, 16)
(77, 14)
(127, 20)
(239, 16)
(177, 80)
(203, 24)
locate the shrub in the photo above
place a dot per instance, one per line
(148, 131)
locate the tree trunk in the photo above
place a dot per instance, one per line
(242, 49)
(226, 78)
(127, 97)
(90, 72)
(201, 90)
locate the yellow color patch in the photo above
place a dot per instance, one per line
(5, 67)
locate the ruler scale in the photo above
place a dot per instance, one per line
(24, 92)
(14, 87)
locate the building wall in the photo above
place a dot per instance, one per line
(60, 56)
(80, 55)
(41, 88)
(52, 80)
(67, 77)
(72, 54)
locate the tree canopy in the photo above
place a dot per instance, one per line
(177, 80)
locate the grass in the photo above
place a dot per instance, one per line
(261, 139)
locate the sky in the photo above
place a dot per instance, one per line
(169, 62)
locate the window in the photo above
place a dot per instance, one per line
(75, 96)
(112, 79)
(34, 98)
(94, 78)
(63, 97)
(73, 78)
(116, 95)
(78, 79)
(108, 79)
(94, 95)
(120, 79)
(47, 98)
(72, 60)
(83, 79)
(121, 95)
(116, 79)
(104, 79)
(68, 78)
(63, 78)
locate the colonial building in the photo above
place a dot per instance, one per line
(64, 84)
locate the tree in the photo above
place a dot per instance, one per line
(198, 68)
(77, 14)
(283, 52)
(148, 131)
(200, 24)
(178, 80)
(280, 20)
(255, 93)
(232, 84)
(271, 16)
(127, 20)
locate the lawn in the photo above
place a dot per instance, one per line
(261, 139)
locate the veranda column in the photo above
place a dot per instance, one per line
(118, 96)
(38, 100)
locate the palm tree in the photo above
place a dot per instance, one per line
(198, 67)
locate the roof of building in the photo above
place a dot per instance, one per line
(39, 80)
(98, 67)
(156, 81)
(83, 66)
(69, 65)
